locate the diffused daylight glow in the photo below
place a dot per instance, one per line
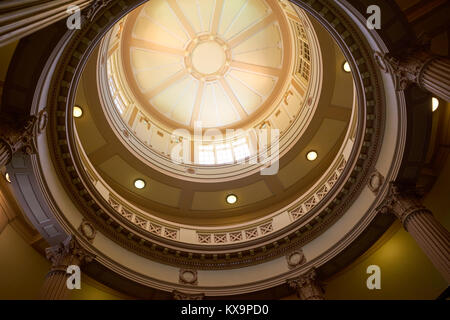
(77, 112)
(312, 155)
(346, 67)
(139, 184)
(434, 104)
(231, 199)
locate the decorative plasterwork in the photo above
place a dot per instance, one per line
(348, 186)
(375, 182)
(242, 233)
(177, 295)
(67, 253)
(87, 229)
(295, 259)
(188, 276)
(403, 201)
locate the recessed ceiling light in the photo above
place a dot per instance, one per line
(7, 177)
(77, 111)
(139, 184)
(311, 155)
(434, 104)
(231, 199)
(346, 67)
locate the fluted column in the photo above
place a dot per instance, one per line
(435, 77)
(429, 234)
(62, 256)
(21, 18)
(13, 139)
(429, 71)
(5, 153)
(308, 286)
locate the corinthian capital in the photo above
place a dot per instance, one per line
(308, 286)
(403, 201)
(67, 253)
(24, 138)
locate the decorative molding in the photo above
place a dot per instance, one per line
(177, 295)
(405, 69)
(403, 201)
(13, 140)
(308, 286)
(295, 259)
(68, 252)
(188, 276)
(95, 8)
(88, 230)
(375, 182)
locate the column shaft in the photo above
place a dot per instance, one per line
(430, 235)
(62, 256)
(5, 153)
(433, 238)
(435, 77)
(55, 287)
(21, 18)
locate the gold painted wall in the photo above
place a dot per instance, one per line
(23, 269)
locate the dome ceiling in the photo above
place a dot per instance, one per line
(216, 62)
(121, 141)
(241, 70)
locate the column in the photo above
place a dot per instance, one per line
(429, 71)
(5, 153)
(21, 18)
(429, 234)
(62, 256)
(308, 286)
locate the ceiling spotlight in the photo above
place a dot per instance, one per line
(77, 111)
(7, 177)
(231, 199)
(434, 104)
(312, 155)
(346, 67)
(139, 184)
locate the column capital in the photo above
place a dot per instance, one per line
(177, 295)
(308, 286)
(408, 67)
(403, 201)
(13, 139)
(68, 252)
